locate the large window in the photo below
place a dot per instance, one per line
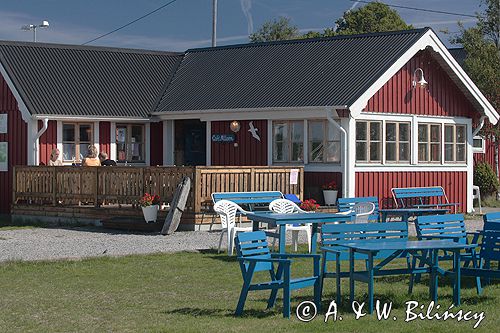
(76, 139)
(288, 141)
(324, 142)
(454, 143)
(130, 144)
(429, 143)
(368, 141)
(397, 142)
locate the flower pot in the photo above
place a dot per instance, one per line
(150, 213)
(330, 197)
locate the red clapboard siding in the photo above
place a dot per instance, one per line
(47, 141)
(441, 97)
(105, 137)
(17, 138)
(156, 143)
(250, 151)
(314, 180)
(380, 184)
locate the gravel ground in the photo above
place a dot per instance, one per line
(75, 243)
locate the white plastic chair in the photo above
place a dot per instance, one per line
(476, 194)
(363, 210)
(284, 206)
(227, 212)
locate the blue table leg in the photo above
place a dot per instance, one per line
(351, 274)
(370, 283)
(314, 237)
(434, 275)
(456, 270)
(282, 238)
(384, 217)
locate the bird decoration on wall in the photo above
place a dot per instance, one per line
(253, 130)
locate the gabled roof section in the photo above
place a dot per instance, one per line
(86, 81)
(310, 72)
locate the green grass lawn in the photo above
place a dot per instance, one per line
(197, 292)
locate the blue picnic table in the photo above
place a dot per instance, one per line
(406, 213)
(281, 220)
(370, 248)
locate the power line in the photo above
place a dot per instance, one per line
(420, 9)
(130, 23)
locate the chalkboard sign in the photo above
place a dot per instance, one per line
(223, 137)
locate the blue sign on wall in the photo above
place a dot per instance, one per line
(223, 137)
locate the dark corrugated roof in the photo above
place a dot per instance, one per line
(56, 79)
(459, 54)
(312, 72)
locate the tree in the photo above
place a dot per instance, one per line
(277, 29)
(374, 17)
(482, 62)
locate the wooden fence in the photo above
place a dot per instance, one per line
(67, 186)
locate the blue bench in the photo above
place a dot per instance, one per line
(333, 236)
(250, 200)
(346, 204)
(420, 197)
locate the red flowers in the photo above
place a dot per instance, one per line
(149, 200)
(330, 186)
(309, 205)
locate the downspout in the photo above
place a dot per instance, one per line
(479, 127)
(329, 116)
(45, 122)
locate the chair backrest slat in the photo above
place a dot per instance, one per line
(449, 225)
(253, 245)
(346, 204)
(410, 196)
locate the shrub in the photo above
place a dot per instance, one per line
(485, 178)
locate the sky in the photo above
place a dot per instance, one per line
(186, 24)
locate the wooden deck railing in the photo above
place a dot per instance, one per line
(66, 186)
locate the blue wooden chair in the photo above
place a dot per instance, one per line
(449, 226)
(254, 256)
(334, 235)
(488, 253)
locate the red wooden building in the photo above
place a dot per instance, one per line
(354, 109)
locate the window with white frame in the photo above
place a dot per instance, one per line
(397, 142)
(478, 144)
(288, 141)
(368, 141)
(130, 143)
(454, 143)
(324, 142)
(429, 143)
(76, 139)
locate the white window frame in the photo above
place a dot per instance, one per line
(326, 128)
(454, 143)
(479, 150)
(397, 142)
(288, 141)
(368, 141)
(76, 142)
(128, 142)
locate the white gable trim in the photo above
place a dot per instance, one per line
(429, 39)
(25, 114)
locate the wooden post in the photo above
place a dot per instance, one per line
(197, 189)
(96, 187)
(14, 186)
(54, 183)
(301, 184)
(252, 179)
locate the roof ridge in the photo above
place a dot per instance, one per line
(310, 40)
(87, 47)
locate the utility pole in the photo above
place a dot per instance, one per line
(214, 23)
